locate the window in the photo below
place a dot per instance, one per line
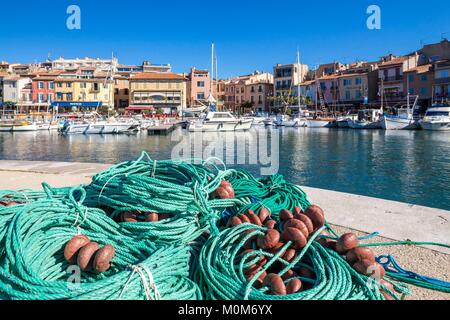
(278, 85)
(50, 97)
(260, 100)
(69, 97)
(59, 95)
(41, 97)
(347, 82)
(83, 85)
(424, 91)
(201, 84)
(125, 91)
(442, 74)
(358, 94)
(59, 85)
(424, 77)
(200, 96)
(347, 95)
(260, 89)
(68, 85)
(252, 99)
(51, 85)
(411, 78)
(412, 91)
(41, 85)
(358, 81)
(437, 113)
(252, 89)
(95, 86)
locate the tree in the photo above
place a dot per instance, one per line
(245, 106)
(159, 111)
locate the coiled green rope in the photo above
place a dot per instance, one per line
(222, 270)
(179, 188)
(33, 267)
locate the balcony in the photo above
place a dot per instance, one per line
(392, 79)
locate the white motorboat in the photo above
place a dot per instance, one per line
(403, 120)
(437, 118)
(286, 121)
(75, 127)
(367, 119)
(269, 121)
(220, 121)
(258, 121)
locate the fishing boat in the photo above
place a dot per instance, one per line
(403, 120)
(321, 123)
(367, 119)
(20, 126)
(220, 121)
(342, 122)
(437, 118)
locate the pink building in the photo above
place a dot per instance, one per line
(198, 87)
(43, 89)
(329, 87)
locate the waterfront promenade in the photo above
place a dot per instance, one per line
(394, 220)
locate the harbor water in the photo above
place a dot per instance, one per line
(406, 166)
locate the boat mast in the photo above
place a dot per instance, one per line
(299, 80)
(212, 69)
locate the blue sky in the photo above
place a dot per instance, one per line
(249, 34)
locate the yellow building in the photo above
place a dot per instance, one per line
(84, 89)
(153, 91)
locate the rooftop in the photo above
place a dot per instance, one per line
(157, 76)
(394, 61)
(421, 69)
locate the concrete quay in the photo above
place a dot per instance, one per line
(394, 221)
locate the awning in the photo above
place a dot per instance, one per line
(77, 104)
(139, 108)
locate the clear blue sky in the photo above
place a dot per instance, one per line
(249, 34)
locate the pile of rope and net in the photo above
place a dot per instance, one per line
(148, 229)
(165, 200)
(33, 264)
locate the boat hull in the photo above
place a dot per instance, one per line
(364, 125)
(23, 128)
(435, 126)
(6, 128)
(393, 123)
(319, 124)
(242, 125)
(342, 123)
